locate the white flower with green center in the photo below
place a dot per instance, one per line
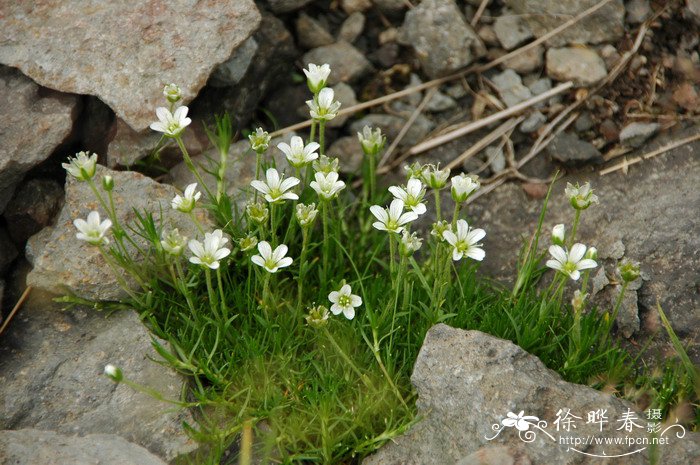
(173, 242)
(172, 92)
(297, 153)
(82, 166)
(570, 262)
(171, 124)
(434, 177)
(316, 76)
(344, 301)
(276, 188)
(186, 202)
(410, 243)
(559, 234)
(580, 197)
(326, 165)
(93, 231)
(327, 186)
(463, 186)
(324, 107)
(412, 195)
(306, 214)
(271, 260)
(257, 212)
(371, 140)
(392, 219)
(259, 140)
(465, 242)
(211, 251)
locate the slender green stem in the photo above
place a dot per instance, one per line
(455, 216)
(258, 162)
(347, 359)
(438, 214)
(312, 135)
(322, 137)
(302, 264)
(210, 290)
(273, 225)
(577, 218)
(221, 177)
(618, 303)
(190, 165)
(392, 252)
(372, 176)
(183, 287)
(196, 222)
(377, 356)
(326, 241)
(120, 279)
(222, 298)
(266, 291)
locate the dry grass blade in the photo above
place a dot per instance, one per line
(479, 12)
(16, 308)
(652, 154)
(485, 141)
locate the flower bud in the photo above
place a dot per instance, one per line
(578, 300)
(259, 140)
(439, 228)
(559, 235)
(257, 212)
(248, 243)
(82, 166)
(306, 214)
(107, 183)
(371, 140)
(173, 93)
(414, 170)
(463, 186)
(580, 197)
(316, 77)
(410, 243)
(318, 316)
(629, 270)
(434, 177)
(114, 373)
(173, 242)
(326, 165)
(592, 253)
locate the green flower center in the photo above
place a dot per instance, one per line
(344, 300)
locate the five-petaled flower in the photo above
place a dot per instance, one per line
(463, 186)
(465, 242)
(297, 153)
(344, 301)
(324, 107)
(520, 421)
(173, 242)
(392, 219)
(580, 197)
(269, 259)
(82, 166)
(211, 251)
(570, 262)
(259, 140)
(93, 231)
(171, 124)
(411, 195)
(327, 186)
(186, 202)
(316, 76)
(276, 188)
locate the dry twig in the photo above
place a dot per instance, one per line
(623, 165)
(16, 308)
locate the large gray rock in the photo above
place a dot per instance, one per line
(31, 446)
(35, 122)
(121, 51)
(64, 263)
(510, 87)
(568, 149)
(581, 65)
(511, 30)
(443, 41)
(651, 210)
(33, 207)
(635, 134)
(347, 63)
(605, 25)
(468, 381)
(51, 378)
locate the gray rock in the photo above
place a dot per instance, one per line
(390, 6)
(526, 62)
(352, 27)
(614, 250)
(311, 33)
(440, 102)
(353, 6)
(540, 86)
(391, 126)
(533, 122)
(692, 10)
(35, 122)
(346, 96)
(63, 263)
(30, 446)
(124, 52)
(33, 207)
(599, 280)
(488, 35)
(443, 41)
(568, 149)
(349, 152)
(628, 315)
(584, 122)
(231, 71)
(637, 11)
(51, 378)
(511, 30)
(605, 25)
(496, 158)
(8, 251)
(285, 6)
(468, 381)
(581, 65)
(635, 134)
(510, 87)
(346, 62)
(497, 455)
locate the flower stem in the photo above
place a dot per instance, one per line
(302, 263)
(210, 290)
(372, 176)
(183, 287)
(455, 216)
(222, 299)
(438, 214)
(196, 222)
(347, 359)
(391, 255)
(577, 218)
(312, 135)
(221, 176)
(618, 303)
(326, 241)
(273, 226)
(322, 137)
(266, 292)
(190, 165)
(258, 162)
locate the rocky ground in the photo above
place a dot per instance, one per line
(73, 78)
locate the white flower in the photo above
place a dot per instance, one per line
(344, 301)
(520, 421)
(392, 219)
(324, 107)
(463, 186)
(572, 262)
(185, 203)
(316, 76)
(259, 140)
(372, 140)
(276, 187)
(271, 261)
(558, 234)
(211, 251)
(580, 197)
(82, 166)
(465, 242)
(326, 165)
(92, 231)
(434, 177)
(173, 242)
(171, 124)
(410, 243)
(412, 195)
(172, 92)
(306, 214)
(113, 372)
(297, 154)
(327, 186)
